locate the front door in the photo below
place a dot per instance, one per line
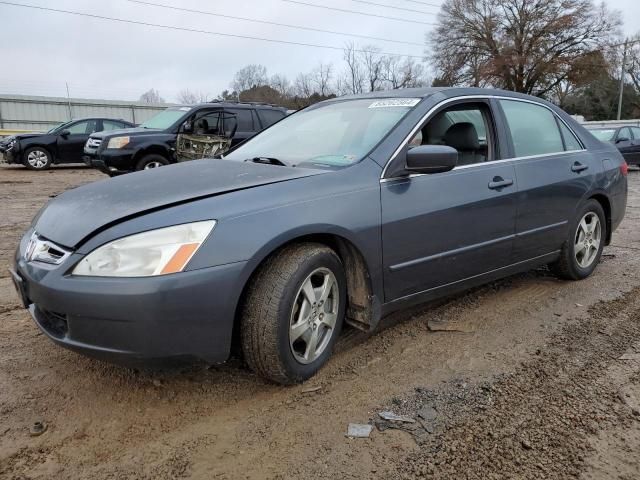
(439, 229)
(71, 144)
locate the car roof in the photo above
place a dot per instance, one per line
(424, 92)
(234, 105)
(98, 118)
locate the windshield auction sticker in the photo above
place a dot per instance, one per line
(395, 102)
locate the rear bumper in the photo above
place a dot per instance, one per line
(134, 321)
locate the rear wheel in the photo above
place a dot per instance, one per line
(37, 158)
(151, 161)
(582, 250)
(293, 313)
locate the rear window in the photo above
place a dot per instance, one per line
(269, 117)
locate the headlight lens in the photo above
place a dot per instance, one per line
(118, 142)
(156, 252)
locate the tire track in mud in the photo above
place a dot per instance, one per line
(537, 422)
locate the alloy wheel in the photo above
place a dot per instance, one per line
(314, 315)
(37, 159)
(587, 240)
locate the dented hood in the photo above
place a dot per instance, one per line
(74, 215)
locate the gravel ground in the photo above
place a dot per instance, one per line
(528, 377)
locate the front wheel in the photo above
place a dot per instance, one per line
(37, 158)
(582, 250)
(151, 161)
(293, 313)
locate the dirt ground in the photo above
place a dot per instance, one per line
(528, 377)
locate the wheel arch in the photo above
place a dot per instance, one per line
(48, 148)
(363, 309)
(605, 202)
(152, 150)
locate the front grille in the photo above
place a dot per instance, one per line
(55, 324)
(93, 143)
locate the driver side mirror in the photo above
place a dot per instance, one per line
(431, 159)
(65, 133)
(187, 127)
(621, 139)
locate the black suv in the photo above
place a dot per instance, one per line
(62, 144)
(177, 134)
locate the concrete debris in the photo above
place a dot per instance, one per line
(359, 430)
(392, 417)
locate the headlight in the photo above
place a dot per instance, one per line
(156, 252)
(11, 144)
(118, 142)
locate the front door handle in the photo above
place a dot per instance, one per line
(578, 167)
(499, 182)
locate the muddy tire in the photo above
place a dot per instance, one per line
(582, 250)
(37, 158)
(151, 161)
(293, 313)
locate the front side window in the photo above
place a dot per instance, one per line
(335, 134)
(624, 135)
(464, 127)
(636, 133)
(534, 130)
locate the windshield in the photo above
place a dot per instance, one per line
(605, 135)
(166, 118)
(336, 134)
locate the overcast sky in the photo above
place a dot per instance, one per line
(42, 50)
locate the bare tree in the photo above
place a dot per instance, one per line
(189, 97)
(321, 77)
(400, 72)
(522, 45)
(303, 86)
(372, 66)
(151, 96)
(249, 77)
(354, 76)
(281, 84)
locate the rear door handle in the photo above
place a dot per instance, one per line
(578, 167)
(499, 182)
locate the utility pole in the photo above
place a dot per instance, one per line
(624, 61)
(69, 100)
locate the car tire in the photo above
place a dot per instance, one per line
(582, 251)
(285, 337)
(151, 161)
(37, 158)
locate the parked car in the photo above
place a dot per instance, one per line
(626, 140)
(62, 144)
(341, 213)
(179, 133)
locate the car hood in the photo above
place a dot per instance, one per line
(76, 214)
(24, 136)
(126, 131)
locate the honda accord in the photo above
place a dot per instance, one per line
(338, 214)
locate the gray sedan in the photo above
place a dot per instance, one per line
(340, 213)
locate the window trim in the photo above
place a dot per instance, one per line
(446, 101)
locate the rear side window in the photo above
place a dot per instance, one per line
(534, 130)
(636, 132)
(108, 125)
(571, 143)
(244, 119)
(269, 117)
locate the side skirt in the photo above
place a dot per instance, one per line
(467, 283)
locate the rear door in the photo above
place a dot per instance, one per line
(246, 124)
(439, 229)
(554, 174)
(71, 147)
